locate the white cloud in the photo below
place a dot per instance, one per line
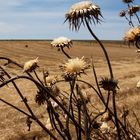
(32, 18)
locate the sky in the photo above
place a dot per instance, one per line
(44, 19)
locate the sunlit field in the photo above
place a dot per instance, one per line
(63, 89)
(125, 64)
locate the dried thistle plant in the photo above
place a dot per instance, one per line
(75, 66)
(132, 35)
(81, 12)
(133, 9)
(85, 13)
(60, 43)
(122, 13)
(131, 12)
(72, 111)
(108, 84)
(30, 65)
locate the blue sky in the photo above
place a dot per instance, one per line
(43, 19)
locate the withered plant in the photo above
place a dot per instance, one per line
(131, 14)
(71, 113)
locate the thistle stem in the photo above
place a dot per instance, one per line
(131, 21)
(32, 117)
(46, 90)
(137, 17)
(115, 114)
(28, 107)
(11, 61)
(111, 76)
(62, 49)
(103, 48)
(18, 109)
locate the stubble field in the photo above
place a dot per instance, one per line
(125, 63)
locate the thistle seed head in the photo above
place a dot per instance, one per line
(30, 65)
(108, 84)
(133, 9)
(39, 98)
(122, 13)
(75, 66)
(132, 34)
(61, 42)
(81, 12)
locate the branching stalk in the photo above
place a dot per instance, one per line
(53, 98)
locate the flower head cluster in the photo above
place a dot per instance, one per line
(82, 12)
(75, 66)
(108, 84)
(40, 97)
(133, 9)
(61, 42)
(133, 34)
(30, 65)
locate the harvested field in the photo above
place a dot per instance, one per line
(125, 63)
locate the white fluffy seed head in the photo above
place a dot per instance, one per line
(61, 41)
(75, 66)
(83, 6)
(82, 12)
(30, 65)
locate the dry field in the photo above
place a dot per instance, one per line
(125, 63)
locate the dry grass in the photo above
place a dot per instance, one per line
(125, 62)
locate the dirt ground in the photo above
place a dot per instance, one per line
(125, 63)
